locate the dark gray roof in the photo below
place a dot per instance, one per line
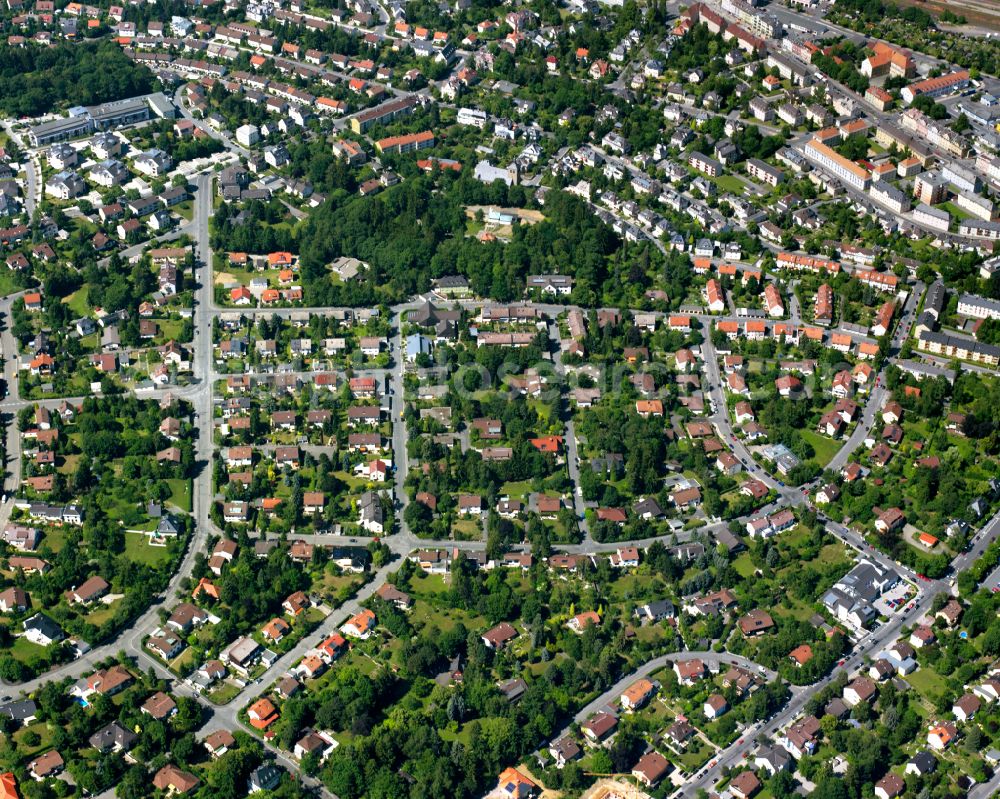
(513, 689)
(265, 777)
(660, 607)
(111, 736)
(168, 525)
(924, 761)
(936, 297)
(44, 625)
(776, 756)
(648, 505)
(19, 711)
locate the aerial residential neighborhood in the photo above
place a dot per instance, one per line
(500, 400)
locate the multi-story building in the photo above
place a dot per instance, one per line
(977, 205)
(472, 116)
(934, 218)
(410, 142)
(790, 70)
(790, 114)
(833, 162)
(935, 87)
(888, 195)
(383, 114)
(929, 188)
(951, 346)
(978, 307)
(760, 24)
(823, 310)
(761, 109)
(979, 230)
(764, 172)
(703, 163)
(83, 120)
(888, 135)
(886, 59)
(962, 178)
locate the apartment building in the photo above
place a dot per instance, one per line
(833, 162)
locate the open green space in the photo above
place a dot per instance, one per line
(730, 183)
(138, 549)
(180, 493)
(825, 447)
(224, 694)
(77, 302)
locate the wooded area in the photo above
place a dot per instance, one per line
(36, 80)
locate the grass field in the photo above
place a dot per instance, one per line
(170, 328)
(7, 283)
(77, 302)
(137, 549)
(101, 614)
(927, 682)
(463, 736)
(957, 214)
(41, 728)
(224, 694)
(55, 538)
(467, 529)
(185, 209)
(825, 447)
(730, 183)
(743, 565)
(519, 490)
(180, 493)
(184, 662)
(69, 464)
(24, 650)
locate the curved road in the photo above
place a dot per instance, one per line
(714, 661)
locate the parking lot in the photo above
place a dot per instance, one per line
(895, 599)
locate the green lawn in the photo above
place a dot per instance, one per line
(428, 585)
(744, 566)
(834, 553)
(170, 329)
(138, 549)
(467, 529)
(7, 284)
(41, 728)
(100, 615)
(77, 302)
(825, 447)
(957, 214)
(184, 662)
(519, 490)
(185, 209)
(693, 758)
(224, 694)
(730, 183)
(180, 493)
(797, 610)
(69, 464)
(55, 538)
(424, 615)
(463, 736)
(24, 650)
(927, 682)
